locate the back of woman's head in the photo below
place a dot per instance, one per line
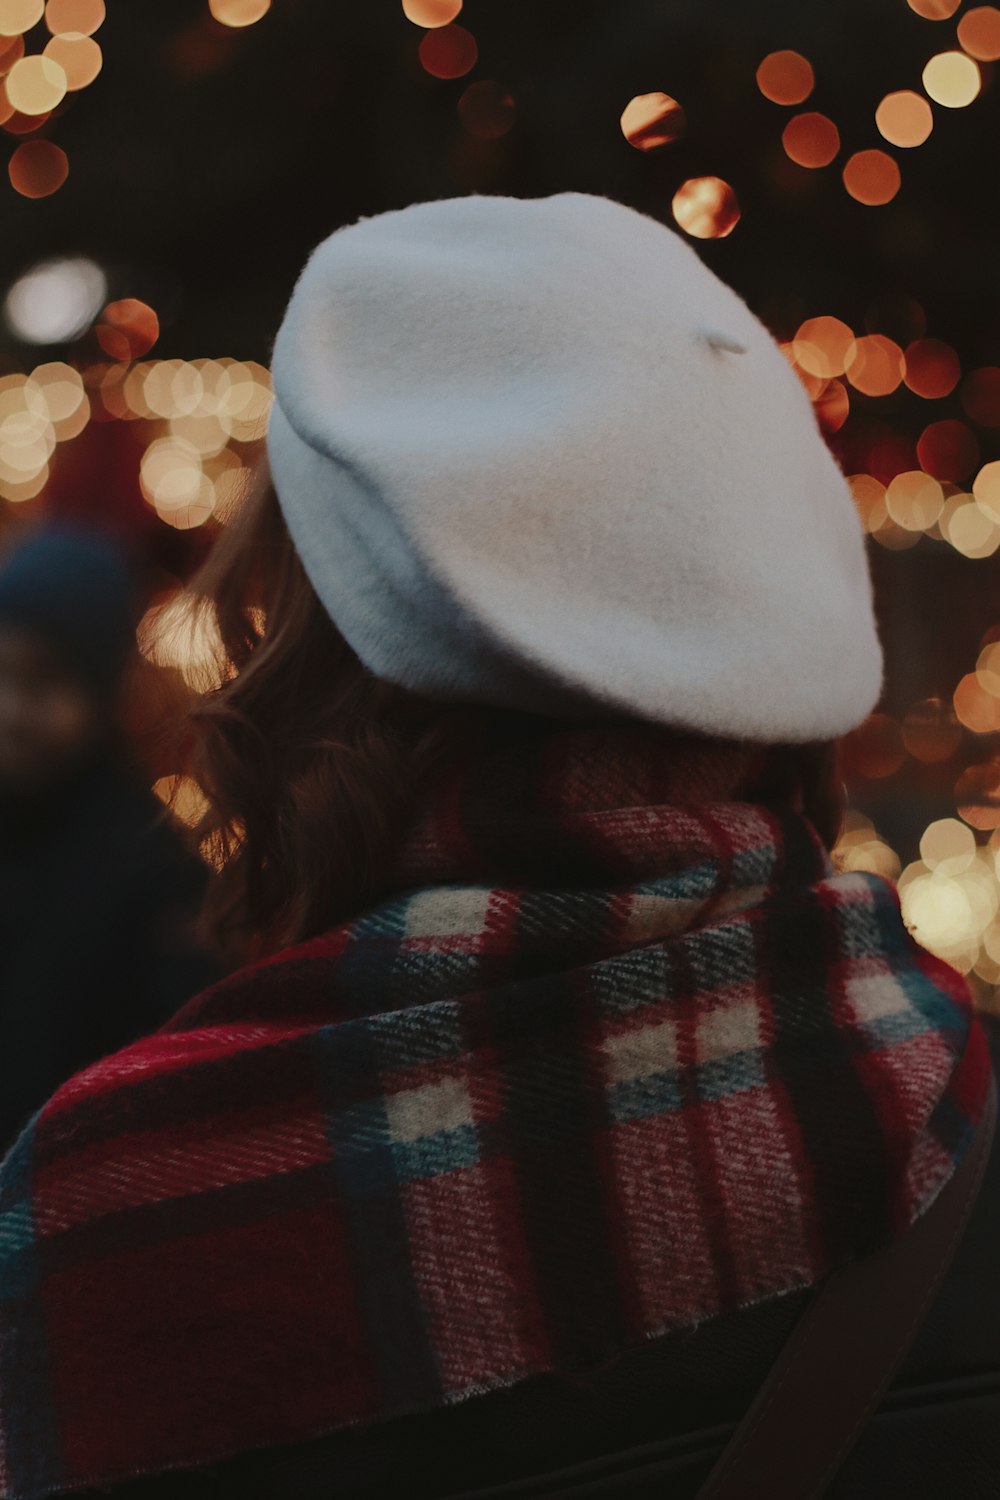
(534, 461)
(311, 767)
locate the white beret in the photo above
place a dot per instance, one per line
(533, 453)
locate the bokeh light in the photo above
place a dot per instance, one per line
(79, 57)
(914, 500)
(128, 328)
(239, 12)
(79, 17)
(62, 390)
(934, 10)
(811, 140)
(932, 368)
(981, 396)
(55, 301)
(431, 13)
(875, 365)
(833, 406)
(18, 124)
(977, 795)
(651, 121)
(976, 708)
(11, 48)
(859, 847)
(821, 346)
(986, 489)
(904, 118)
(183, 796)
(706, 208)
(17, 16)
(449, 52)
(948, 450)
(952, 79)
(969, 527)
(487, 110)
(979, 33)
(785, 78)
(37, 168)
(875, 749)
(948, 846)
(869, 497)
(36, 84)
(872, 177)
(180, 631)
(931, 732)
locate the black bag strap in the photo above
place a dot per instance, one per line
(845, 1349)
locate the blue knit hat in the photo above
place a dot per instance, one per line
(76, 590)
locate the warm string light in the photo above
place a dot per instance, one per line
(706, 208)
(239, 13)
(37, 412)
(34, 84)
(202, 422)
(651, 121)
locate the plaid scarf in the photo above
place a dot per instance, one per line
(616, 1053)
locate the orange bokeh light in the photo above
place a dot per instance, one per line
(977, 709)
(650, 121)
(79, 57)
(905, 118)
(977, 795)
(449, 52)
(11, 51)
(37, 168)
(19, 124)
(821, 346)
(431, 13)
(833, 406)
(934, 10)
(872, 177)
(869, 497)
(875, 748)
(914, 500)
(932, 368)
(981, 396)
(811, 140)
(706, 207)
(931, 732)
(17, 16)
(239, 13)
(948, 450)
(979, 33)
(83, 17)
(128, 329)
(875, 365)
(785, 78)
(487, 110)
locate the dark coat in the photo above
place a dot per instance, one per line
(671, 1404)
(98, 898)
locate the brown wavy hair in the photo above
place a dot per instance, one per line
(309, 766)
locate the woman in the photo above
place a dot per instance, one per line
(564, 1066)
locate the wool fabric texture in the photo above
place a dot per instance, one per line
(534, 453)
(618, 1053)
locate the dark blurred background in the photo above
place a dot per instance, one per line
(206, 158)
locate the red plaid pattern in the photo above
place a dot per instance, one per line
(617, 1052)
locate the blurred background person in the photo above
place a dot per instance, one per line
(98, 896)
